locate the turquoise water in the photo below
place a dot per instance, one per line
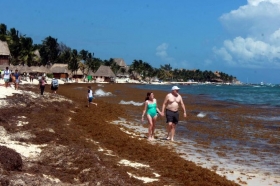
(251, 151)
(243, 94)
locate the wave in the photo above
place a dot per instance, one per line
(201, 114)
(130, 103)
(266, 118)
(101, 93)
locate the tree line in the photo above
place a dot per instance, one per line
(25, 52)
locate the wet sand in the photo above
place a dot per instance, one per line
(80, 145)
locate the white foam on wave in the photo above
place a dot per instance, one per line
(201, 114)
(266, 118)
(100, 92)
(122, 102)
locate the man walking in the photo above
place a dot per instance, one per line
(171, 106)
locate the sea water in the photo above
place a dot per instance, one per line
(263, 167)
(244, 94)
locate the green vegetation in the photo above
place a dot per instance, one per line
(24, 52)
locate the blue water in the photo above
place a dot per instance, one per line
(244, 137)
(243, 94)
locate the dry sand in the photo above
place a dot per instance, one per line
(59, 141)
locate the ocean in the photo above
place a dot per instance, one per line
(243, 94)
(231, 129)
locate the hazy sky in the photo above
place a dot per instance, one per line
(237, 37)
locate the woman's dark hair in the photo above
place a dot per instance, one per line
(148, 95)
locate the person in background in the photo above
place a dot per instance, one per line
(7, 76)
(54, 85)
(150, 107)
(42, 84)
(90, 97)
(171, 106)
(17, 79)
(31, 77)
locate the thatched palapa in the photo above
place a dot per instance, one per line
(104, 73)
(77, 74)
(120, 62)
(4, 53)
(60, 70)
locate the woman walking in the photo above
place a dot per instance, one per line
(150, 107)
(42, 84)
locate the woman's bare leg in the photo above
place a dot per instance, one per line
(153, 127)
(150, 121)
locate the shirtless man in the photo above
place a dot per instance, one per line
(171, 106)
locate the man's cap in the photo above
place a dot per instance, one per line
(175, 88)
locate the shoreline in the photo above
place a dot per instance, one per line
(197, 153)
(83, 137)
(112, 107)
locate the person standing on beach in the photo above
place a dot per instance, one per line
(31, 77)
(150, 107)
(171, 106)
(42, 84)
(17, 79)
(7, 76)
(54, 85)
(90, 97)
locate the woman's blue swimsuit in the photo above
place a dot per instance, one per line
(152, 109)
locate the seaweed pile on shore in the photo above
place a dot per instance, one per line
(80, 146)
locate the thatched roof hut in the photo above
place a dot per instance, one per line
(4, 49)
(78, 72)
(23, 69)
(104, 74)
(59, 68)
(104, 71)
(41, 69)
(120, 62)
(31, 69)
(4, 53)
(123, 72)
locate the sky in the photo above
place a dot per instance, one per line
(237, 37)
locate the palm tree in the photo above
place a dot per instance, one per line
(73, 65)
(165, 72)
(3, 32)
(84, 54)
(147, 71)
(115, 67)
(26, 52)
(93, 63)
(49, 50)
(13, 40)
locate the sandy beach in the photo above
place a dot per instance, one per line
(56, 140)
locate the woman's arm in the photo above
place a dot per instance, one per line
(144, 111)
